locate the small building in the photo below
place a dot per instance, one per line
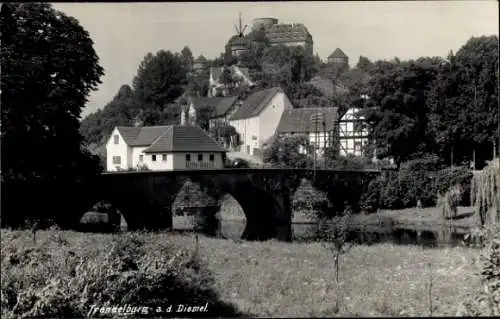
(200, 64)
(237, 45)
(239, 75)
(161, 148)
(258, 116)
(353, 133)
(322, 134)
(222, 108)
(338, 57)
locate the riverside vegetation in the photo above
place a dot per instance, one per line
(61, 273)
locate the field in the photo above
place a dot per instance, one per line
(271, 279)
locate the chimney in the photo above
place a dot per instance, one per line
(184, 113)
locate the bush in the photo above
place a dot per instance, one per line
(134, 269)
(417, 180)
(487, 301)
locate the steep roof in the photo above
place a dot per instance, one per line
(141, 136)
(299, 120)
(184, 138)
(220, 105)
(255, 103)
(237, 40)
(280, 33)
(338, 54)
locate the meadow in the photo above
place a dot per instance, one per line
(65, 273)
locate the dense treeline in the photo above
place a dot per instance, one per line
(447, 108)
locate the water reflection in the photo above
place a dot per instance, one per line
(367, 235)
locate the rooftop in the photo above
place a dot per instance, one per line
(170, 138)
(255, 103)
(299, 120)
(338, 54)
(219, 105)
(279, 33)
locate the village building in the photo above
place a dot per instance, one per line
(322, 134)
(221, 109)
(257, 118)
(200, 64)
(353, 133)
(162, 148)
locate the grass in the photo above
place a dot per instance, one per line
(274, 279)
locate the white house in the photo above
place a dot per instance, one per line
(161, 148)
(353, 133)
(240, 75)
(322, 133)
(258, 117)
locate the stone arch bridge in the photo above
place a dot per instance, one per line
(145, 198)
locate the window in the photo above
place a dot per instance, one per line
(212, 157)
(188, 157)
(141, 158)
(200, 157)
(116, 139)
(117, 160)
(357, 146)
(153, 157)
(164, 157)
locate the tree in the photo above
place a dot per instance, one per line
(160, 79)
(397, 107)
(364, 64)
(288, 151)
(465, 101)
(49, 67)
(187, 58)
(121, 111)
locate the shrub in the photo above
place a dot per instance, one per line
(418, 180)
(132, 268)
(487, 301)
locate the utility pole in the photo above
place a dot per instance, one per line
(316, 118)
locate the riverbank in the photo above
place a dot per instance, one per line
(270, 279)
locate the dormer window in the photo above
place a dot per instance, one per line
(116, 139)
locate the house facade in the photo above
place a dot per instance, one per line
(322, 133)
(162, 148)
(353, 133)
(258, 117)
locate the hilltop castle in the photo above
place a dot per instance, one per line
(294, 34)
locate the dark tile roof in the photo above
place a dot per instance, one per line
(224, 106)
(255, 103)
(237, 40)
(220, 105)
(184, 138)
(299, 120)
(280, 33)
(141, 136)
(338, 54)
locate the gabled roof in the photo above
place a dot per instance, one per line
(184, 138)
(255, 103)
(338, 54)
(140, 136)
(219, 105)
(280, 33)
(299, 120)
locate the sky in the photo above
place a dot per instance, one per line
(123, 33)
